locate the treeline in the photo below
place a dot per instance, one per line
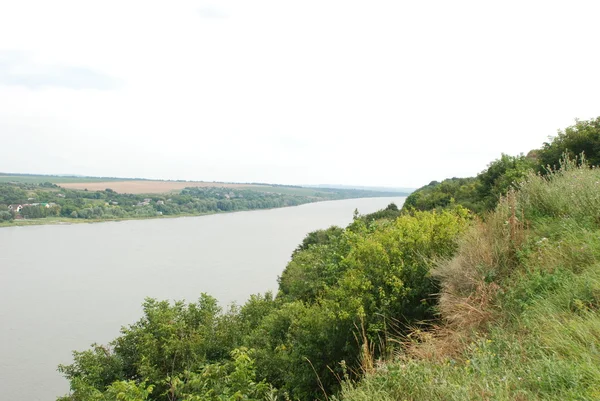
(49, 200)
(481, 193)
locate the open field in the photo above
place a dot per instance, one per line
(140, 186)
(147, 186)
(151, 187)
(37, 179)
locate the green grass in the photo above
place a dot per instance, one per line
(520, 306)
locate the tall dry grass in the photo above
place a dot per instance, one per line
(573, 191)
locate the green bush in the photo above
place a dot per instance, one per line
(519, 305)
(583, 137)
(5, 215)
(343, 290)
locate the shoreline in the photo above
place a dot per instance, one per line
(69, 221)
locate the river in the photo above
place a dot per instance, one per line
(63, 287)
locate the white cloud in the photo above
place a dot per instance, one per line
(379, 93)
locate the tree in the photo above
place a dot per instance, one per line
(227, 381)
(319, 237)
(391, 212)
(501, 175)
(583, 137)
(445, 194)
(5, 215)
(369, 276)
(11, 194)
(34, 212)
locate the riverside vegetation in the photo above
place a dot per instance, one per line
(47, 202)
(461, 299)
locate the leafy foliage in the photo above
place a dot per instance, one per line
(375, 277)
(502, 175)
(319, 237)
(445, 194)
(481, 193)
(342, 288)
(391, 212)
(583, 137)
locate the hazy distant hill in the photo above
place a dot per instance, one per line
(365, 188)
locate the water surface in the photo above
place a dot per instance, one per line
(63, 287)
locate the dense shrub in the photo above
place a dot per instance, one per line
(343, 290)
(5, 215)
(583, 137)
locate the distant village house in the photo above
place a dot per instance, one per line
(15, 208)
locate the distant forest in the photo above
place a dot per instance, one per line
(30, 200)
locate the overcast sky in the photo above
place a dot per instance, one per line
(392, 93)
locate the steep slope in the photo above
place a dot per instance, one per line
(518, 305)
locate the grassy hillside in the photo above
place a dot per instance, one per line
(518, 306)
(481, 193)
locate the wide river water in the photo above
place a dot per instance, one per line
(63, 287)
